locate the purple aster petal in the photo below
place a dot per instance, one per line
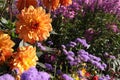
(67, 77)
(7, 77)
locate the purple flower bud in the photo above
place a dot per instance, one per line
(41, 46)
(73, 63)
(65, 51)
(83, 42)
(70, 53)
(48, 66)
(63, 46)
(70, 58)
(84, 57)
(73, 43)
(112, 57)
(104, 65)
(50, 42)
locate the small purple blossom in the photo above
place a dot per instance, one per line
(67, 77)
(41, 46)
(71, 53)
(63, 46)
(48, 66)
(83, 42)
(30, 74)
(70, 58)
(50, 42)
(65, 51)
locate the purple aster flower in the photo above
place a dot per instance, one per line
(7, 77)
(84, 57)
(43, 76)
(67, 77)
(59, 72)
(48, 66)
(83, 42)
(71, 53)
(70, 58)
(82, 52)
(79, 73)
(33, 74)
(41, 46)
(73, 63)
(65, 51)
(95, 58)
(109, 56)
(30, 74)
(98, 65)
(73, 43)
(104, 65)
(106, 54)
(63, 46)
(77, 59)
(50, 42)
(112, 57)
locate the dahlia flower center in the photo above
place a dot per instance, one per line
(35, 26)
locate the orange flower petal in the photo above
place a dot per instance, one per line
(33, 24)
(21, 4)
(24, 58)
(6, 45)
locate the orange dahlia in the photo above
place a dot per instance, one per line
(24, 58)
(65, 2)
(51, 4)
(33, 24)
(21, 4)
(6, 45)
(54, 4)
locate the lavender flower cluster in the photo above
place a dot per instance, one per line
(109, 6)
(68, 12)
(33, 74)
(96, 61)
(81, 55)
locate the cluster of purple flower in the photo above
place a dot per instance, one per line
(82, 55)
(96, 61)
(67, 12)
(33, 74)
(110, 6)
